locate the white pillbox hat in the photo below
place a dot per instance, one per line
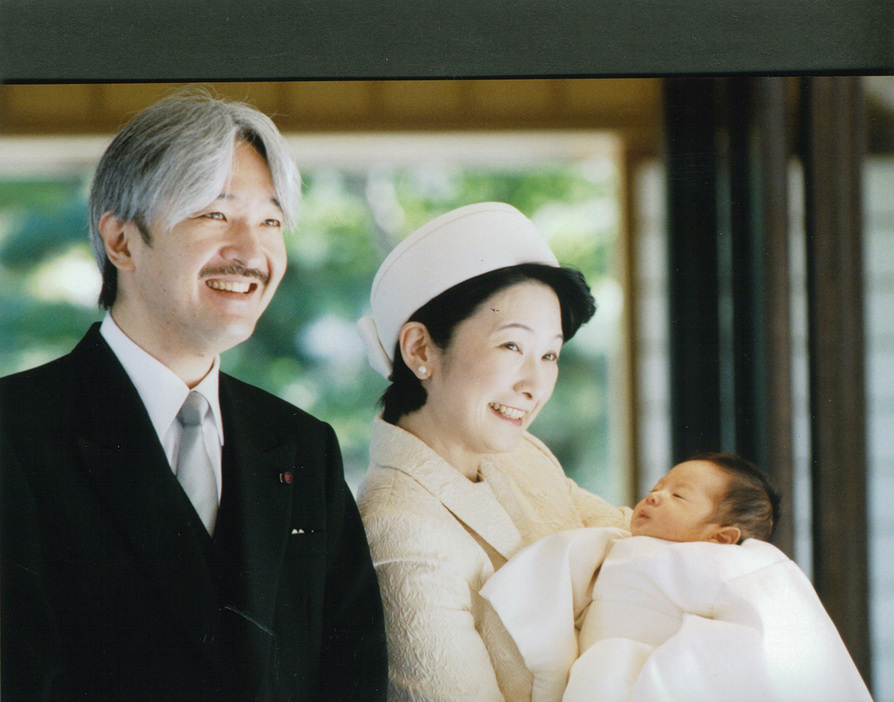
(450, 249)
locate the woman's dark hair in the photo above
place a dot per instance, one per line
(443, 314)
(751, 502)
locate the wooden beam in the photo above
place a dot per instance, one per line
(691, 163)
(772, 152)
(754, 266)
(198, 40)
(833, 156)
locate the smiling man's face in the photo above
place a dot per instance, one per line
(199, 288)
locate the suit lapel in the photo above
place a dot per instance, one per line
(133, 480)
(473, 504)
(256, 502)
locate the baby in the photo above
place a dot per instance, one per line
(692, 603)
(716, 497)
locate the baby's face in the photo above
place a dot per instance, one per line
(681, 505)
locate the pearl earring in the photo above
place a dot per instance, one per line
(423, 371)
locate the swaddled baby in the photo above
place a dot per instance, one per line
(691, 603)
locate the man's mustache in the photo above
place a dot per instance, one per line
(235, 268)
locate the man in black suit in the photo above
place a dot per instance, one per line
(147, 554)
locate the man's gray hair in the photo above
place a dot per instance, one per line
(174, 158)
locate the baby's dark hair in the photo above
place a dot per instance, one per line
(751, 502)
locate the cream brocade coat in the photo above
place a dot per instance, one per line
(436, 537)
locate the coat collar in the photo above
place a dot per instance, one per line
(474, 504)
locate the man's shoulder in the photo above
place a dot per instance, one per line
(37, 404)
(39, 382)
(85, 356)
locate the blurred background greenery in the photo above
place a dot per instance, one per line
(305, 348)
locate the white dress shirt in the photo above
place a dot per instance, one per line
(163, 393)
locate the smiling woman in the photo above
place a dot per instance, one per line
(457, 485)
(484, 390)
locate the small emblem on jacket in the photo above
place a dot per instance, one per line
(285, 477)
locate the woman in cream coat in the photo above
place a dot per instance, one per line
(469, 315)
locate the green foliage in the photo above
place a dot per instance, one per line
(47, 217)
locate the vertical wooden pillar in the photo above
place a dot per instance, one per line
(741, 265)
(754, 272)
(692, 257)
(728, 151)
(773, 150)
(760, 337)
(833, 142)
(755, 210)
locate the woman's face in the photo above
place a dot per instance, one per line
(497, 373)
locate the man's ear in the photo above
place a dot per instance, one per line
(727, 535)
(417, 349)
(117, 236)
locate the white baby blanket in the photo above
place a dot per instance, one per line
(669, 621)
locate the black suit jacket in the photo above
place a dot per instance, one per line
(112, 589)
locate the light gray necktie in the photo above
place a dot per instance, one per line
(194, 469)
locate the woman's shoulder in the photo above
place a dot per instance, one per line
(387, 490)
(392, 499)
(393, 447)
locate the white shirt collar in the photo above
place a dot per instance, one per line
(161, 390)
